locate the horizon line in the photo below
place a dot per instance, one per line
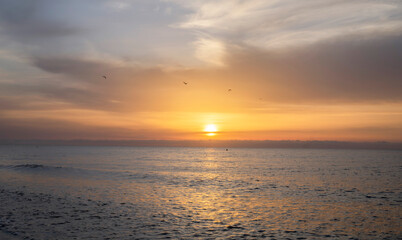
(213, 143)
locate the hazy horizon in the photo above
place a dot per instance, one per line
(212, 143)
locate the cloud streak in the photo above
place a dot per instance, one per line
(279, 24)
(348, 70)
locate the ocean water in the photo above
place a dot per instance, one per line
(50, 192)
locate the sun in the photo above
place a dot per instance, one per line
(210, 129)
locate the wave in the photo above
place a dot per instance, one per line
(54, 171)
(34, 166)
(31, 167)
(76, 172)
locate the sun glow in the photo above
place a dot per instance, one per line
(210, 128)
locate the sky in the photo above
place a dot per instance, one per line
(296, 70)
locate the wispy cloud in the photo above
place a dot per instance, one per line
(210, 51)
(278, 24)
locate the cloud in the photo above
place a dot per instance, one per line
(211, 51)
(41, 128)
(118, 5)
(72, 66)
(104, 29)
(81, 82)
(280, 24)
(29, 20)
(60, 127)
(348, 70)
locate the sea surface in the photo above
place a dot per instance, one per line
(70, 192)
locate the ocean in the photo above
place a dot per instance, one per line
(74, 192)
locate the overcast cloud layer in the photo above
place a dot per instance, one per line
(53, 54)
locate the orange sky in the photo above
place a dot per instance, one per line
(327, 73)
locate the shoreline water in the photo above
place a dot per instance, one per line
(195, 193)
(32, 215)
(8, 236)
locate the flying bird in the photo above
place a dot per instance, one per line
(104, 76)
(229, 90)
(185, 83)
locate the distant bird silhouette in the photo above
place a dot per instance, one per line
(229, 90)
(185, 83)
(104, 76)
